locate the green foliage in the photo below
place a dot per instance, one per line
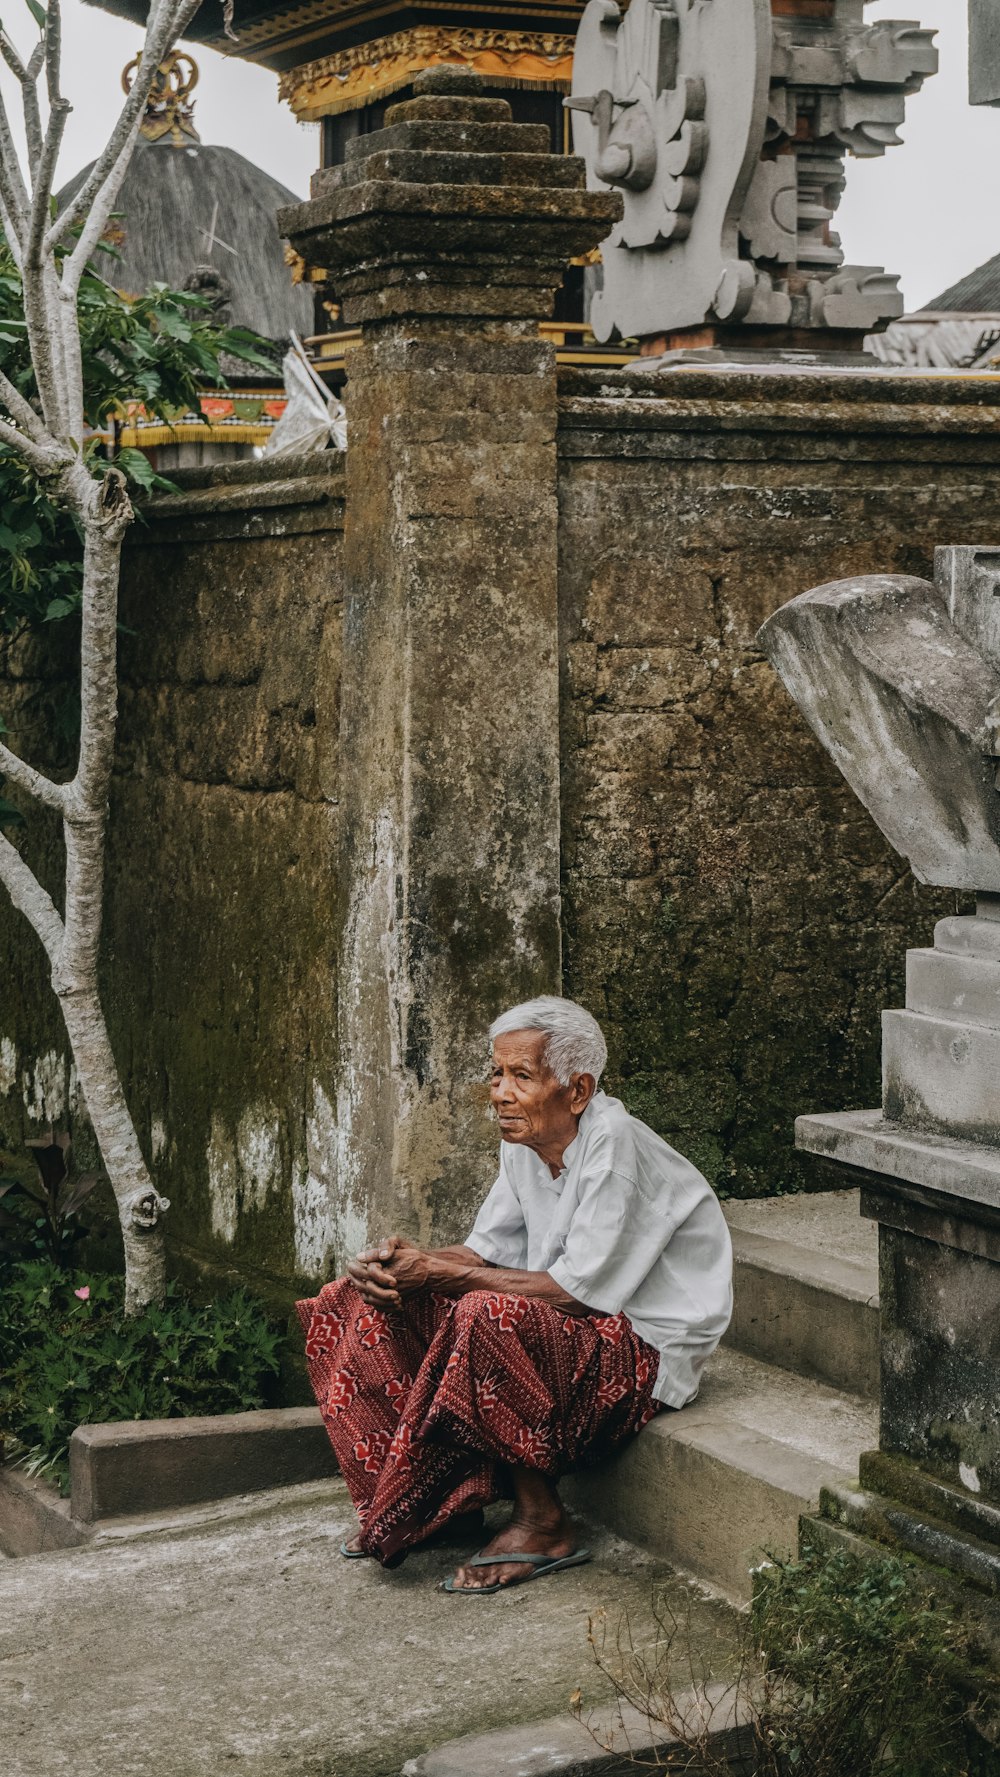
(881, 1675)
(160, 349)
(40, 1217)
(69, 1357)
(845, 1666)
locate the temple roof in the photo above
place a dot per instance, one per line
(203, 218)
(283, 34)
(977, 293)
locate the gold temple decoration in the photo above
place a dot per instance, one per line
(353, 77)
(169, 110)
(300, 271)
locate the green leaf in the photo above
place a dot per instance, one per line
(60, 607)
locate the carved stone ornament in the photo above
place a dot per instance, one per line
(725, 130)
(670, 105)
(900, 680)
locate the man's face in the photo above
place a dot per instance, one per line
(531, 1106)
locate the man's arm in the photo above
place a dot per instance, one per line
(398, 1269)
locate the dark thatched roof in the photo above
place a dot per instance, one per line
(166, 206)
(977, 293)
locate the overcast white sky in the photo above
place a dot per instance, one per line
(929, 210)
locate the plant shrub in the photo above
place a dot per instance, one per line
(69, 1357)
(883, 1676)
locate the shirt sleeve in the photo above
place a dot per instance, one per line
(615, 1238)
(500, 1235)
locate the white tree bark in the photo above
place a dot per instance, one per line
(49, 440)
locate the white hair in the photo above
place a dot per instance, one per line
(575, 1040)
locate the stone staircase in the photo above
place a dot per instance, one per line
(786, 1407)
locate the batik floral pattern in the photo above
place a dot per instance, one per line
(426, 1407)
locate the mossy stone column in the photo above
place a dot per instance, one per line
(445, 236)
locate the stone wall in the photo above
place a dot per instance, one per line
(220, 944)
(730, 911)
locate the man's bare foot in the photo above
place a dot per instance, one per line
(551, 1536)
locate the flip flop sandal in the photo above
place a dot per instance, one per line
(354, 1554)
(540, 1565)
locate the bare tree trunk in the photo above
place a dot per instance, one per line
(106, 514)
(48, 434)
(140, 1206)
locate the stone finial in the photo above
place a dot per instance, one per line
(725, 129)
(900, 680)
(450, 209)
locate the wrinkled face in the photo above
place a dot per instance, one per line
(531, 1105)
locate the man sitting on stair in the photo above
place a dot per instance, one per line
(595, 1283)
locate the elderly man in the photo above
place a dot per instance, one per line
(595, 1283)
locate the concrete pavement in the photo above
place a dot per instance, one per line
(251, 1647)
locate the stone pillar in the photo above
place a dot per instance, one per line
(984, 52)
(445, 234)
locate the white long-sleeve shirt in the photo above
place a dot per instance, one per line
(628, 1227)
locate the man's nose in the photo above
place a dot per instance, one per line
(502, 1090)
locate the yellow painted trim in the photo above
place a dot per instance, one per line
(148, 437)
(353, 77)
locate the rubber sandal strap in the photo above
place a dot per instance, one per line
(506, 1559)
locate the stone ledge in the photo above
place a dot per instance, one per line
(131, 1478)
(865, 1141)
(33, 1519)
(153, 1465)
(609, 1743)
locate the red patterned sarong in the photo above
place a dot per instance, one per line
(423, 1404)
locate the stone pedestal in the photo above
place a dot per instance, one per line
(900, 678)
(929, 1169)
(446, 234)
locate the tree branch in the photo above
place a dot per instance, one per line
(22, 411)
(106, 513)
(44, 460)
(167, 19)
(76, 262)
(13, 190)
(44, 174)
(30, 898)
(39, 287)
(26, 78)
(24, 777)
(53, 50)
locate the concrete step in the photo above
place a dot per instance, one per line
(806, 1287)
(719, 1486)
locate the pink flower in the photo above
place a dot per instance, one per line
(83, 1294)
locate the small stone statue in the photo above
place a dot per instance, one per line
(206, 281)
(725, 130)
(900, 680)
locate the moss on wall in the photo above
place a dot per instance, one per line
(219, 957)
(731, 913)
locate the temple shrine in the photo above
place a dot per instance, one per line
(202, 218)
(723, 123)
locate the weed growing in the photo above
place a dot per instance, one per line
(846, 1667)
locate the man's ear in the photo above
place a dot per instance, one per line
(584, 1086)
